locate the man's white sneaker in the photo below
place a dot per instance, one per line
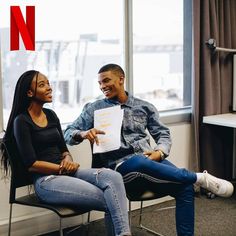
(220, 187)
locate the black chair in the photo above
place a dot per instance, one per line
(20, 177)
(142, 187)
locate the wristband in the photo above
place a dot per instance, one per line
(162, 154)
(67, 154)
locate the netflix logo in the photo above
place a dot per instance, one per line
(22, 27)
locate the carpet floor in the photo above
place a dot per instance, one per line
(213, 217)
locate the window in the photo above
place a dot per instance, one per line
(158, 47)
(73, 42)
(76, 39)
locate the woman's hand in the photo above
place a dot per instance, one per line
(67, 166)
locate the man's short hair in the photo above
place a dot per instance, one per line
(112, 67)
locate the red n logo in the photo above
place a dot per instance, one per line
(26, 29)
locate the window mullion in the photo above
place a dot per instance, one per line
(128, 43)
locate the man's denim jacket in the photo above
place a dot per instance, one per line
(139, 116)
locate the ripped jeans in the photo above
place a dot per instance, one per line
(90, 189)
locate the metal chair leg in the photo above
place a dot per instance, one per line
(140, 225)
(9, 224)
(61, 230)
(140, 214)
(83, 224)
(144, 227)
(130, 214)
(88, 219)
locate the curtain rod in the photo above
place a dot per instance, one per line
(211, 43)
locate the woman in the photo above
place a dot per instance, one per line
(57, 178)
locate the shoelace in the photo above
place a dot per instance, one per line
(215, 186)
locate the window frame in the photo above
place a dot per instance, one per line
(187, 62)
(173, 115)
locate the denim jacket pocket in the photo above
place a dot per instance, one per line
(139, 118)
(139, 123)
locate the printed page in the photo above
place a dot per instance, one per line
(108, 120)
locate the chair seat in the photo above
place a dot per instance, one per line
(143, 188)
(62, 211)
(145, 196)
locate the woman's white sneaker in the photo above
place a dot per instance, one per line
(220, 187)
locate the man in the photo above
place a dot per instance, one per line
(136, 154)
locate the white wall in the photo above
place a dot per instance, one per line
(28, 221)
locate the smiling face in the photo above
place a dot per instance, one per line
(40, 89)
(111, 84)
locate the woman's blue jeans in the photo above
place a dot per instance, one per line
(90, 189)
(178, 182)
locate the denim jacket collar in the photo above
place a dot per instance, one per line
(128, 103)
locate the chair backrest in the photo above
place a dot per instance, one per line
(20, 176)
(97, 161)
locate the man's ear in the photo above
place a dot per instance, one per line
(122, 79)
(30, 93)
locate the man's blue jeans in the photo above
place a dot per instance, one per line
(176, 182)
(91, 189)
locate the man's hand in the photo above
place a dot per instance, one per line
(91, 135)
(153, 155)
(67, 166)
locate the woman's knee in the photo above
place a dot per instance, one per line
(110, 178)
(111, 175)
